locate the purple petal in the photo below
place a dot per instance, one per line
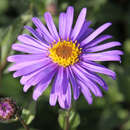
(85, 31)
(98, 40)
(96, 57)
(69, 20)
(90, 84)
(65, 81)
(94, 67)
(36, 34)
(74, 83)
(26, 39)
(27, 48)
(43, 30)
(56, 86)
(41, 87)
(103, 47)
(68, 96)
(21, 65)
(44, 75)
(79, 24)
(31, 68)
(51, 26)
(41, 34)
(65, 100)
(25, 78)
(95, 33)
(62, 25)
(25, 57)
(53, 99)
(103, 56)
(93, 76)
(113, 52)
(86, 92)
(61, 100)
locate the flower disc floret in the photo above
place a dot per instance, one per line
(65, 53)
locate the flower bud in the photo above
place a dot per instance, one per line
(8, 109)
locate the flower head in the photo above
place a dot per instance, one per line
(68, 56)
(7, 109)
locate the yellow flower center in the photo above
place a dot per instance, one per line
(65, 53)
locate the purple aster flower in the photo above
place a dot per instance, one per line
(7, 109)
(68, 56)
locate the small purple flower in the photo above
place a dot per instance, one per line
(68, 56)
(7, 109)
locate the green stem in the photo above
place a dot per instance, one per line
(67, 120)
(22, 122)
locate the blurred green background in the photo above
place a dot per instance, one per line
(112, 112)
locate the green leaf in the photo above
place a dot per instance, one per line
(74, 119)
(61, 118)
(3, 32)
(28, 114)
(10, 36)
(5, 45)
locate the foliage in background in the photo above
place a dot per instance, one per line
(112, 112)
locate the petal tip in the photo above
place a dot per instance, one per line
(114, 77)
(14, 75)
(90, 102)
(84, 9)
(25, 90)
(47, 14)
(109, 23)
(9, 59)
(70, 8)
(19, 37)
(14, 46)
(76, 97)
(34, 19)
(26, 27)
(35, 97)
(10, 69)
